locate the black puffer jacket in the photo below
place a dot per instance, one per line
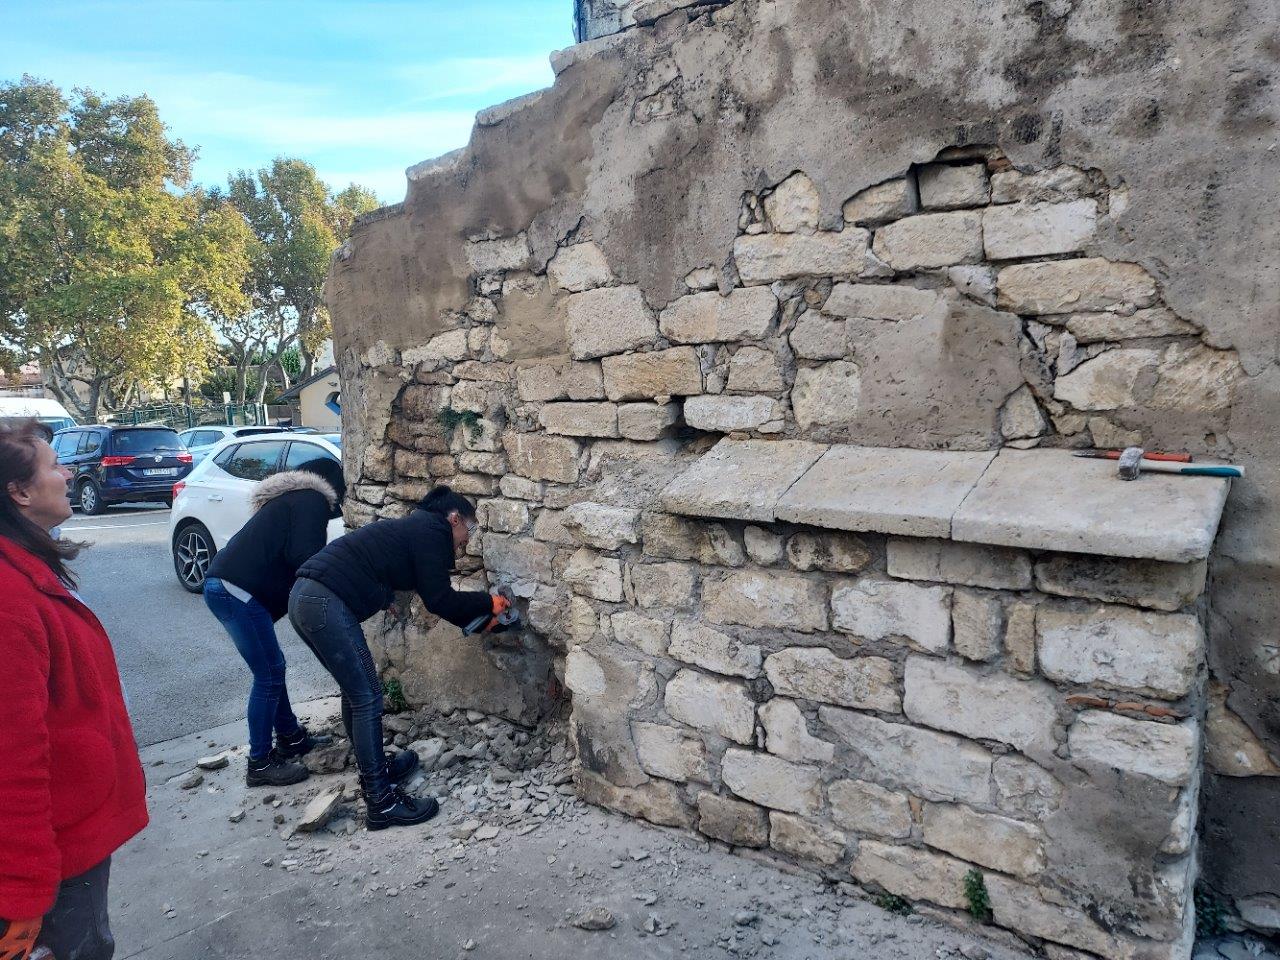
(413, 553)
(291, 513)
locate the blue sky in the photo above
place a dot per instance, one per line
(360, 89)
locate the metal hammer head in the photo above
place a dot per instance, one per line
(1130, 464)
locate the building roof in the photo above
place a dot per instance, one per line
(297, 388)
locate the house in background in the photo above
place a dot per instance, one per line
(28, 383)
(317, 401)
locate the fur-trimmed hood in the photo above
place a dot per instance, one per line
(277, 485)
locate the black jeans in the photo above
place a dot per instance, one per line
(77, 928)
(330, 629)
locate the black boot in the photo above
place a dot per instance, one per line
(401, 765)
(301, 743)
(275, 770)
(395, 808)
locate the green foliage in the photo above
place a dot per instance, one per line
(451, 419)
(394, 693)
(291, 363)
(976, 896)
(1211, 915)
(893, 903)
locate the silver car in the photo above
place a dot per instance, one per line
(200, 440)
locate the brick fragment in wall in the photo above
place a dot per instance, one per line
(881, 609)
(594, 576)
(787, 734)
(600, 526)
(662, 584)
(647, 421)
(1067, 286)
(717, 706)
(658, 801)
(881, 203)
(869, 808)
(771, 781)
(670, 752)
(827, 394)
(833, 552)
(713, 650)
(815, 673)
(644, 633)
(561, 379)
(1025, 789)
(753, 598)
(977, 623)
(930, 240)
(1038, 229)
(575, 419)
(985, 838)
(806, 839)
(883, 301)
(676, 538)
(1108, 741)
(767, 257)
(945, 561)
(793, 206)
(746, 313)
(579, 267)
(911, 873)
(732, 821)
(608, 320)
(948, 186)
(542, 458)
(659, 373)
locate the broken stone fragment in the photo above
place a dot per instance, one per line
(946, 186)
(191, 780)
(594, 918)
(318, 812)
(215, 762)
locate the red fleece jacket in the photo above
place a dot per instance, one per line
(71, 784)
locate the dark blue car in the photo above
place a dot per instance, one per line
(112, 464)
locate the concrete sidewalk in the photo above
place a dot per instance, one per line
(198, 885)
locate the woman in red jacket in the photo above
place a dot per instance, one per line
(71, 784)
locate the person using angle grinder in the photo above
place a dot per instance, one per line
(353, 578)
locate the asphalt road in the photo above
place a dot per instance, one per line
(180, 670)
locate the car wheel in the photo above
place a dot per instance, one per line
(90, 499)
(193, 551)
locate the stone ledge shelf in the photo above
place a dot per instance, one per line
(1035, 499)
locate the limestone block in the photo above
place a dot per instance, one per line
(833, 552)
(977, 624)
(661, 373)
(410, 464)
(1020, 636)
(1231, 748)
(573, 419)
(1025, 789)
(443, 348)
(1164, 752)
(868, 808)
(1196, 379)
(656, 801)
(676, 538)
(818, 337)
(763, 547)
(518, 488)
(945, 186)
(985, 838)
(815, 673)
(931, 240)
(950, 697)
(1018, 906)
(647, 421)
(911, 873)
(517, 558)
(605, 528)
(492, 256)
(579, 267)
(1021, 417)
(969, 564)
(537, 457)
(560, 380)
(668, 752)
(806, 839)
(826, 394)
(879, 609)
(977, 282)
(1050, 500)
(771, 781)
(702, 278)
(470, 396)
(1069, 286)
(753, 370)
(736, 823)
(1156, 654)
(1038, 229)
(503, 516)
(594, 576)
(643, 633)
(745, 314)
(1055, 184)
(713, 650)
(663, 584)
(1152, 322)
(935, 766)
(582, 622)
(549, 526)
(754, 598)
(707, 703)
(608, 320)
(725, 414)
(886, 490)
(881, 203)
(793, 206)
(882, 301)
(766, 257)
(1109, 381)
(787, 734)
(494, 464)
(741, 479)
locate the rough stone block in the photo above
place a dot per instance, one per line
(935, 766)
(537, 457)
(806, 839)
(1156, 654)
(881, 203)
(787, 734)
(676, 538)
(950, 697)
(736, 823)
(753, 370)
(833, 552)
(766, 257)
(977, 624)
(794, 205)
(517, 558)
(663, 584)
(1110, 381)
(1038, 229)
(762, 546)
(755, 598)
(725, 414)
(911, 873)
(669, 752)
(1020, 907)
(1165, 752)
(504, 253)
(470, 396)
(713, 650)
(1231, 748)
(985, 838)
(1070, 286)
(493, 464)
(605, 528)
(643, 633)
(972, 565)
(817, 337)
(594, 576)
(1140, 583)
(946, 186)
(931, 240)
(881, 301)
(745, 314)
(815, 673)
(549, 526)
(1152, 322)
(608, 320)
(868, 808)
(771, 781)
(826, 394)
(1054, 184)
(661, 373)
(580, 419)
(1020, 636)
(657, 801)
(503, 516)
(908, 492)
(718, 706)
(879, 609)
(518, 488)
(443, 348)
(741, 479)
(560, 380)
(1021, 417)
(647, 421)
(1025, 789)
(579, 267)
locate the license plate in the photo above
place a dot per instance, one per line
(159, 472)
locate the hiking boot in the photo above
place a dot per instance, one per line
(301, 743)
(395, 808)
(401, 765)
(275, 770)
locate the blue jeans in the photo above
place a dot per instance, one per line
(254, 635)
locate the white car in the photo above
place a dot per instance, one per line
(200, 440)
(213, 501)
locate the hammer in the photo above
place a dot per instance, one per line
(1132, 462)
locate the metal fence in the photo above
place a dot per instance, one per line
(183, 417)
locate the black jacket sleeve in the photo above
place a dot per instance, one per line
(433, 560)
(308, 529)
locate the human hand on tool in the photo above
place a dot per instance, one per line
(18, 937)
(504, 616)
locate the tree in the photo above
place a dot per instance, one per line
(110, 267)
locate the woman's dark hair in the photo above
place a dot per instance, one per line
(444, 501)
(20, 444)
(330, 471)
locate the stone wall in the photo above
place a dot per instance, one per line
(795, 223)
